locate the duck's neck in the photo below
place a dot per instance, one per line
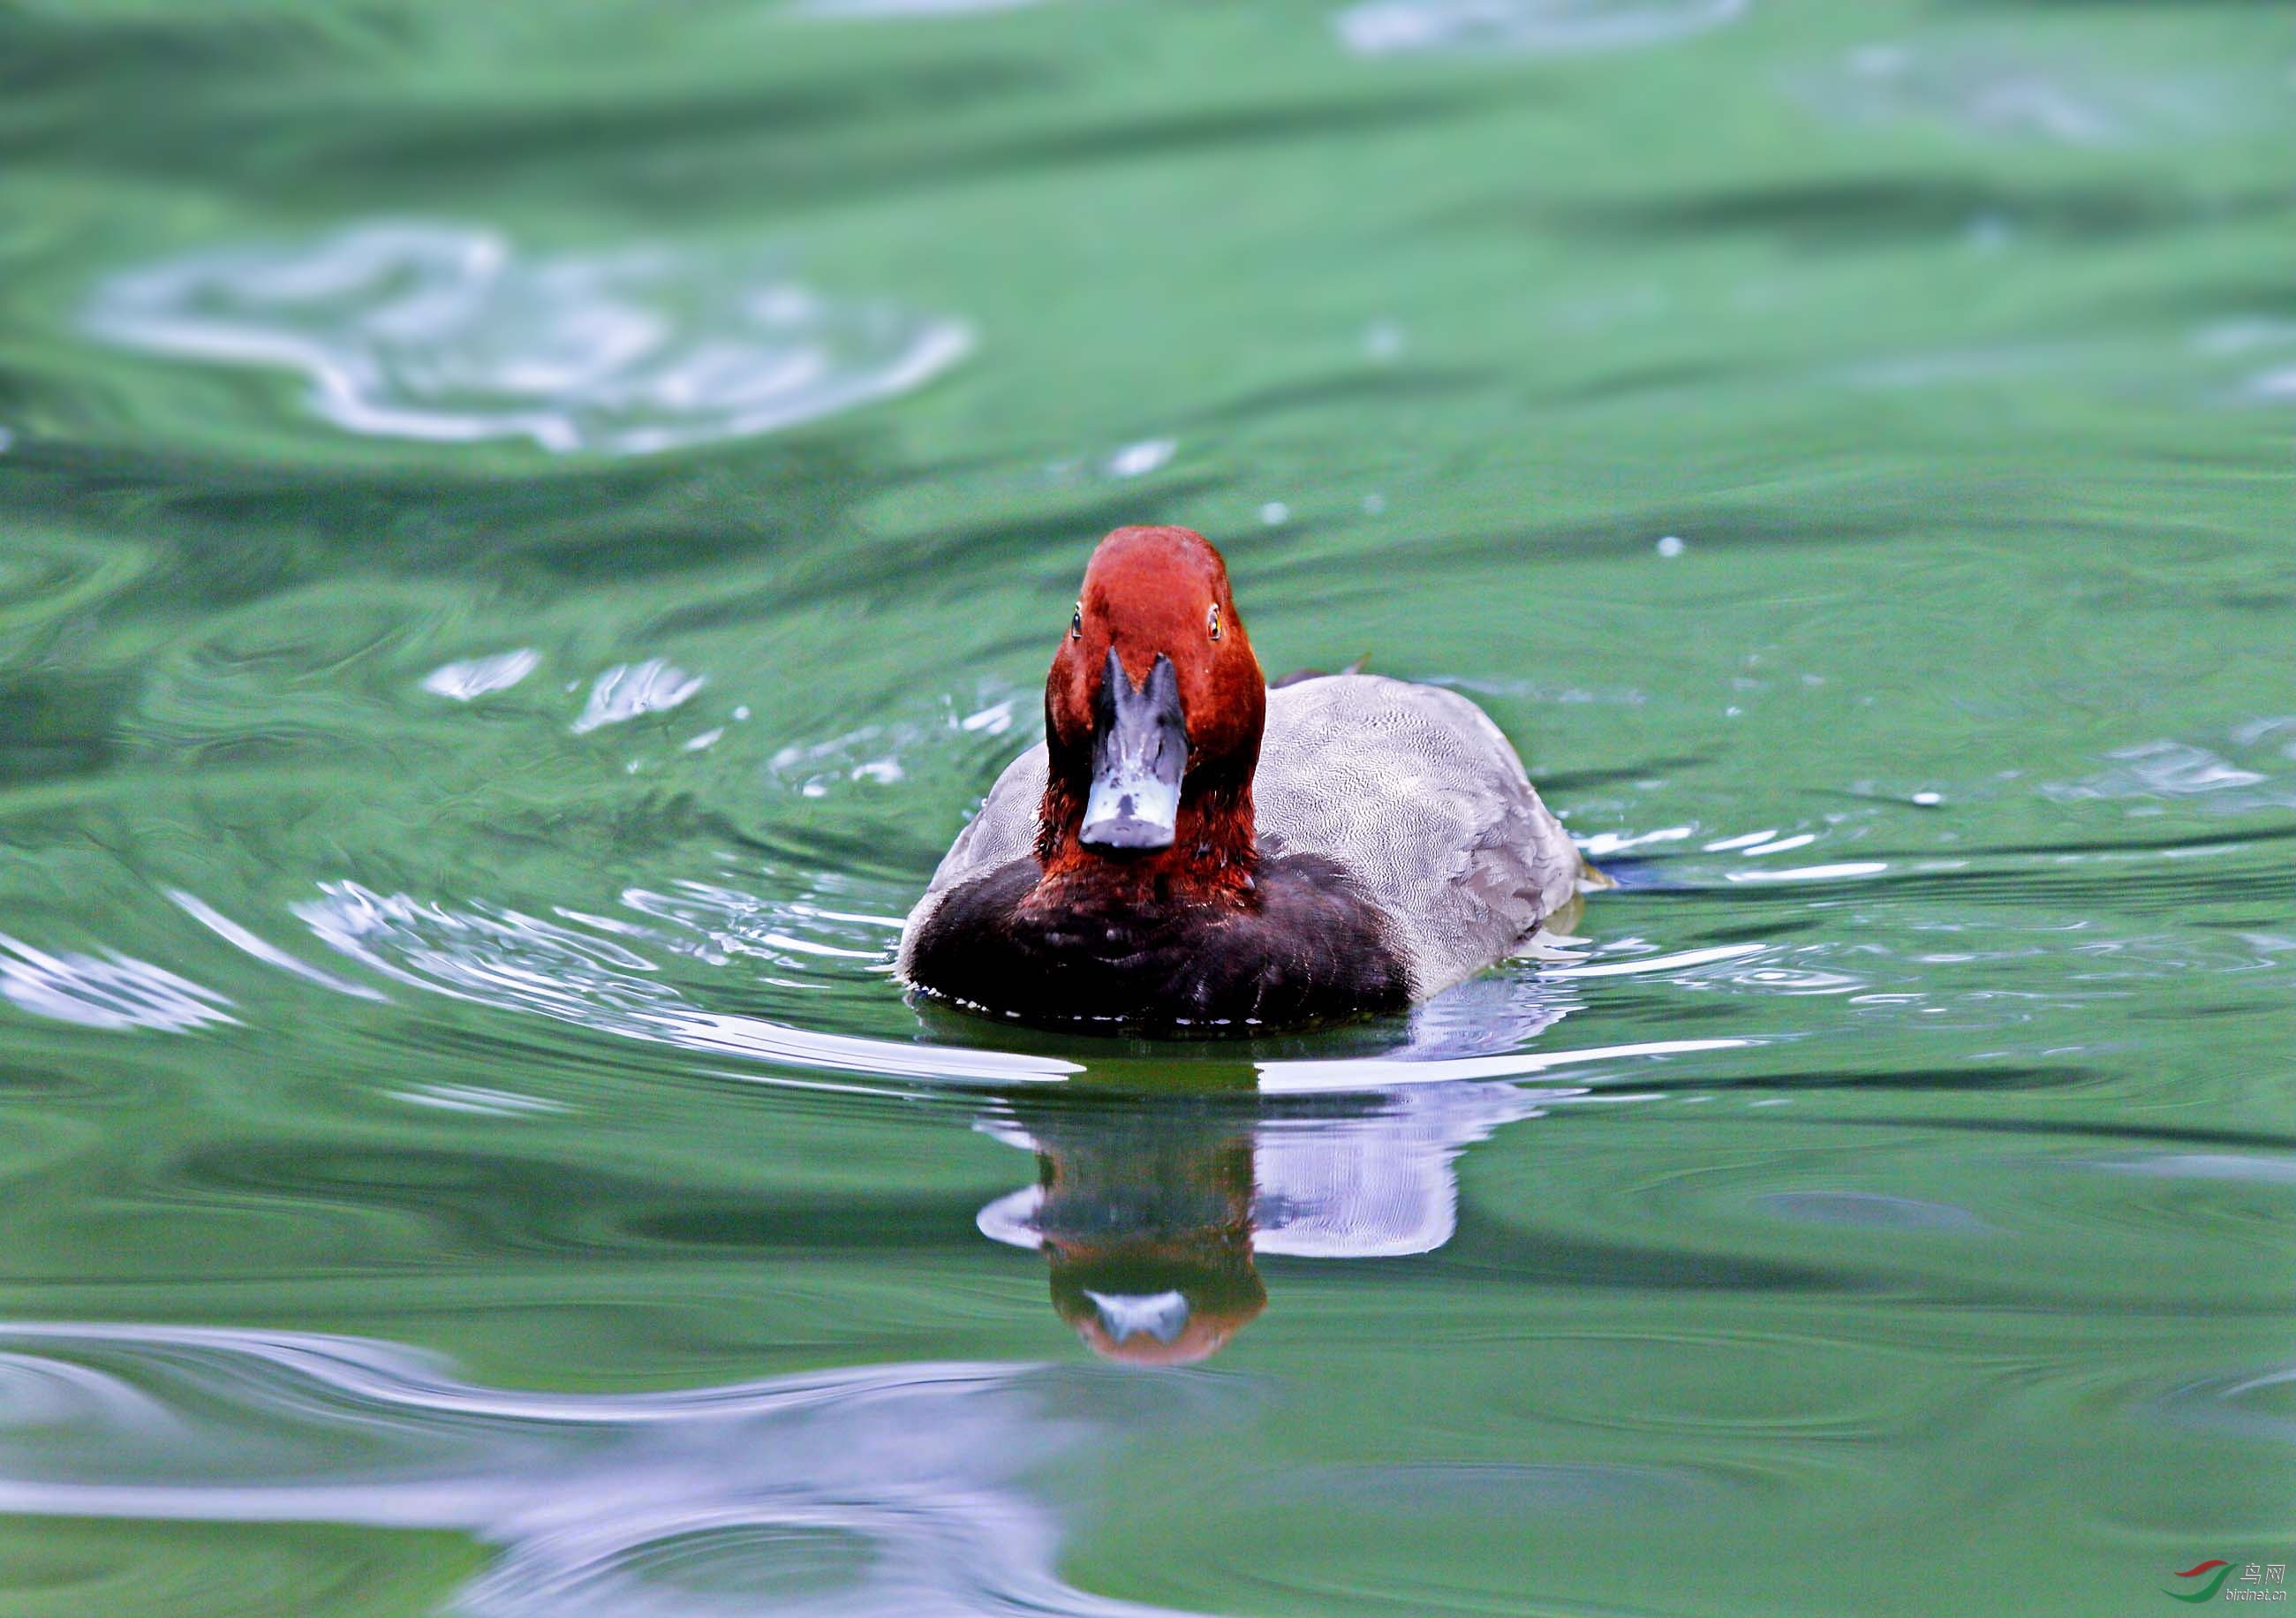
(1209, 864)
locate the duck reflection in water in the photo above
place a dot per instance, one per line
(1153, 1210)
(1145, 1213)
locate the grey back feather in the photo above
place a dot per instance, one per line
(1411, 790)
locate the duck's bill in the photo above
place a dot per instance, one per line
(1130, 813)
(1139, 754)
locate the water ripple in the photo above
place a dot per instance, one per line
(2172, 771)
(852, 11)
(596, 975)
(482, 676)
(1383, 27)
(1360, 1073)
(449, 334)
(2070, 103)
(899, 1488)
(627, 690)
(112, 991)
(498, 956)
(2210, 1165)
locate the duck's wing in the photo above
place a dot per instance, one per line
(1004, 831)
(1419, 798)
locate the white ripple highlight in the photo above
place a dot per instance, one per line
(481, 676)
(1604, 843)
(240, 938)
(446, 333)
(1657, 963)
(825, 1494)
(1139, 460)
(1386, 28)
(627, 690)
(2170, 770)
(1854, 867)
(1373, 1072)
(110, 990)
(2210, 1165)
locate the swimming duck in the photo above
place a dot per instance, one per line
(1189, 848)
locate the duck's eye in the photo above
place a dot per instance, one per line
(1211, 623)
(1076, 623)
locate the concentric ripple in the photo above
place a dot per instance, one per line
(448, 333)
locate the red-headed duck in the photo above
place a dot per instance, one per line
(1190, 848)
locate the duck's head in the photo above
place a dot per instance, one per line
(1154, 705)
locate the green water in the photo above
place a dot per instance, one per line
(462, 1150)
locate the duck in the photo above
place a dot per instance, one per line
(1192, 850)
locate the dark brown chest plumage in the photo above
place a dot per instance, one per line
(1304, 948)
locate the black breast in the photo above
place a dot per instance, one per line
(1307, 949)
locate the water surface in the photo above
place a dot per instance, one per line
(528, 532)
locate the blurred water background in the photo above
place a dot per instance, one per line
(528, 529)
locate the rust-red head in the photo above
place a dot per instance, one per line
(1153, 714)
